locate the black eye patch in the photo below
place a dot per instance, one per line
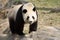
(34, 9)
(27, 17)
(33, 17)
(24, 11)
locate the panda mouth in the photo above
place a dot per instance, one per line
(30, 22)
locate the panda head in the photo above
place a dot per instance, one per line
(29, 13)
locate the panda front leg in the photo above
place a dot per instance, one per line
(33, 27)
(20, 29)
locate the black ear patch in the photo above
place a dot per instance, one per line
(24, 11)
(34, 9)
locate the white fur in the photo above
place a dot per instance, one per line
(30, 12)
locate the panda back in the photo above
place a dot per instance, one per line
(13, 11)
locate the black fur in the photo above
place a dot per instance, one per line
(24, 11)
(17, 26)
(34, 9)
(33, 27)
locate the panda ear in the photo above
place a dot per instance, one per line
(34, 9)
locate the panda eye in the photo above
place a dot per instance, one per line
(24, 11)
(34, 9)
(33, 17)
(27, 17)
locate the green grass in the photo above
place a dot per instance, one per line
(46, 3)
(16, 0)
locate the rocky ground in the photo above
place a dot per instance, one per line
(43, 33)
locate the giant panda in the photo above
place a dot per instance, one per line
(20, 15)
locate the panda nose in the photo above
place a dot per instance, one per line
(30, 22)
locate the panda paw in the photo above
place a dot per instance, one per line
(21, 34)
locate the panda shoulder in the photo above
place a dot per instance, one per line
(13, 10)
(16, 6)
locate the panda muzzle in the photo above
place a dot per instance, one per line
(30, 22)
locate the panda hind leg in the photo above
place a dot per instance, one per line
(12, 28)
(33, 27)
